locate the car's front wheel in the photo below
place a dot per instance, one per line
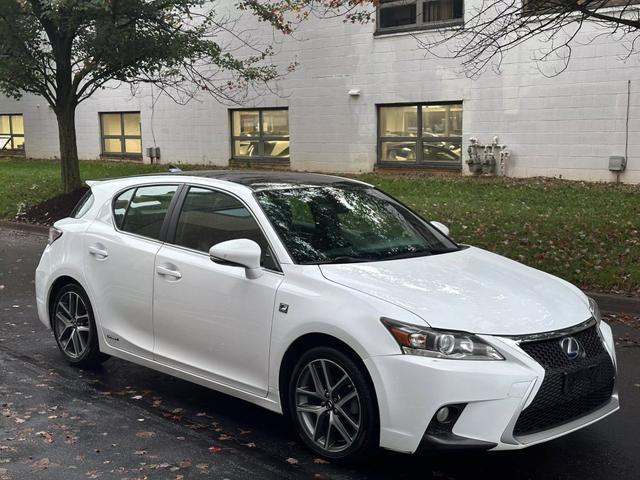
(74, 327)
(332, 405)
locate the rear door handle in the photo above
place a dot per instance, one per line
(167, 272)
(98, 252)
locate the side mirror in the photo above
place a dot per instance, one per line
(241, 252)
(443, 228)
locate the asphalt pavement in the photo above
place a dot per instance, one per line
(129, 422)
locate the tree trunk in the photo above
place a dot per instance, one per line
(69, 165)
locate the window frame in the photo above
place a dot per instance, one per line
(165, 224)
(176, 210)
(261, 137)
(122, 137)
(13, 150)
(419, 139)
(420, 24)
(535, 15)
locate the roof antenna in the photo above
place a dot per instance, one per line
(174, 169)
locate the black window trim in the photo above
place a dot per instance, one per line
(174, 215)
(14, 151)
(419, 25)
(165, 223)
(418, 139)
(260, 158)
(122, 137)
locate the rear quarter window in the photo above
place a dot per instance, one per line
(83, 206)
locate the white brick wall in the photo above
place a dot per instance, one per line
(565, 126)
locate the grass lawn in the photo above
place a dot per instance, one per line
(587, 233)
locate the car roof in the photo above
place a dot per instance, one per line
(257, 180)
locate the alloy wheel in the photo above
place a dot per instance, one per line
(72, 324)
(328, 405)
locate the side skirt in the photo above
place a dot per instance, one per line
(270, 402)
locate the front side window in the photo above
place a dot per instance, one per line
(424, 134)
(260, 134)
(334, 224)
(394, 15)
(142, 210)
(12, 132)
(121, 133)
(209, 217)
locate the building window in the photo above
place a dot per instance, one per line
(420, 134)
(398, 15)
(12, 133)
(260, 134)
(121, 134)
(550, 7)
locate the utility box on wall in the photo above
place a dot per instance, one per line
(154, 154)
(617, 163)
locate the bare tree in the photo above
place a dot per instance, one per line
(494, 27)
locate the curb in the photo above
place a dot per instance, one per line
(25, 227)
(616, 303)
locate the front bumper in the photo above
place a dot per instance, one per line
(42, 285)
(410, 390)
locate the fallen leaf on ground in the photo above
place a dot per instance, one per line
(41, 464)
(145, 434)
(48, 438)
(292, 461)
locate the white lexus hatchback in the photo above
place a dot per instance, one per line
(327, 300)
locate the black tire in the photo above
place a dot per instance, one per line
(90, 356)
(366, 438)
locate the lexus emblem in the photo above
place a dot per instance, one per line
(571, 348)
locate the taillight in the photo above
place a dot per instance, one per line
(54, 234)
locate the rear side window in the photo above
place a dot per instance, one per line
(209, 217)
(83, 206)
(142, 210)
(120, 206)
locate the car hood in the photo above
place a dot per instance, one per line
(471, 290)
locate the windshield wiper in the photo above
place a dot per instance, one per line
(415, 253)
(420, 253)
(345, 259)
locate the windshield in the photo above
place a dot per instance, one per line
(345, 224)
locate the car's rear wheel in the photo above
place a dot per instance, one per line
(74, 327)
(332, 405)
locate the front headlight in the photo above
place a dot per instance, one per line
(427, 342)
(595, 310)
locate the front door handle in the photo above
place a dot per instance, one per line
(96, 251)
(167, 272)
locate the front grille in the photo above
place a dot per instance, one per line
(571, 388)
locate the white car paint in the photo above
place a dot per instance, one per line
(471, 290)
(216, 327)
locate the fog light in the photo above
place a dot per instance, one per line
(443, 415)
